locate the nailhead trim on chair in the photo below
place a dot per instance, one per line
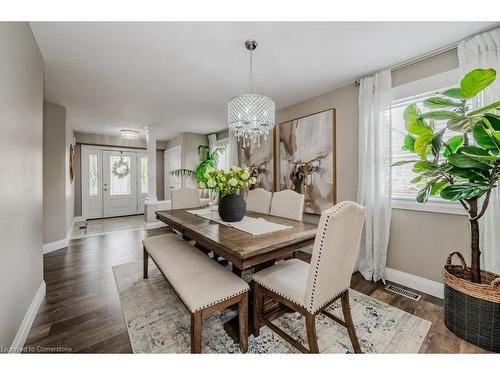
(212, 303)
(328, 217)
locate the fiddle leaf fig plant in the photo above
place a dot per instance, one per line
(466, 166)
(208, 159)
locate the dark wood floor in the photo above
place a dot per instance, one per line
(81, 311)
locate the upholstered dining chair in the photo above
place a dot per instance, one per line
(310, 288)
(259, 200)
(288, 204)
(185, 198)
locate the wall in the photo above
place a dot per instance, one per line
(419, 241)
(21, 228)
(54, 167)
(69, 184)
(189, 154)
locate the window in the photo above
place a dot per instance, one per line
(144, 174)
(223, 157)
(93, 179)
(403, 191)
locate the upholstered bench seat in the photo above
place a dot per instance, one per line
(203, 285)
(198, 280)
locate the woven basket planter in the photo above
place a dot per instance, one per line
(472, 311)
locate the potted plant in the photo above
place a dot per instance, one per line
(208, 159)
(229, 185)
(463, 168)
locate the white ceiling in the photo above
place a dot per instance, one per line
(179, 76)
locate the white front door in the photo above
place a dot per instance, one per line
(172, 162)
(119, 183)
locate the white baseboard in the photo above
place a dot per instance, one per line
(56, 245)
(29, 317)
(155, 224)
(427, 286)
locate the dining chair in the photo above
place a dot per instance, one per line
(288, 204)
(185, 198)
(259, 200)
(310, 288)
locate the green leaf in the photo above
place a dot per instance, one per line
(457, 192)
(477, 153)
(413, 123)
(441, 115)
(418, 179)
(459, 124)
(455, 92)
(182, 172)
(403, 162)
(437, 143)
(495, 105)
(469, 174)
(464, 161)
(421, 144)
(422, 166)
(453, 143)
(438, 186)
(423, 194)
(409, 143)
(475, 81)
(438, 102)
(482, 132)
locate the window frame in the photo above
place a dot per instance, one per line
(415, 89)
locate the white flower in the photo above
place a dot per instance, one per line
(233, 181)
(235, 169)
(211, 183)
(253, 180)
(245, 174)
(202, 185)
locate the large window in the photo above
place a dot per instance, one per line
(403, 190)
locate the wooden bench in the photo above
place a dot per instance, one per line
(203, 285)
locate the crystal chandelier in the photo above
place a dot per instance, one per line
(250, 116)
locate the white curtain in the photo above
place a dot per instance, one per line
(483, 51)
(233, 149)
(374, 181)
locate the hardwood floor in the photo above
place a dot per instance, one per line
(81, 311)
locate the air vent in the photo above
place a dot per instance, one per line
(403, 292)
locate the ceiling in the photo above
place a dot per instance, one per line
(178, 76)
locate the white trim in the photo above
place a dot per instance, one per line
(427, 286)
(56, 245)
(442, 207)
(24, 329)
(155, 224)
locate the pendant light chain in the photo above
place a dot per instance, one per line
(251, 71)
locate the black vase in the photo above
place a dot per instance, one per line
(232, 208)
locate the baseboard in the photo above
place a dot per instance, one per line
(29, 317)
(56, 245)
(155, 224)
(427, 286)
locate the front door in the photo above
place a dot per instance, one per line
(119, 183)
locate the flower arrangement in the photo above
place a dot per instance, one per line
(226, 183)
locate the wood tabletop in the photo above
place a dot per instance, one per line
(241, 248)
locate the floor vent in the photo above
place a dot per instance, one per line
(403, 292)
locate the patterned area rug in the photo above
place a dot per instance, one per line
(158, 322)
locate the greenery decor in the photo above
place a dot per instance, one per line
(465, 167)
(226, 183)
(120, 168)
(208, 159)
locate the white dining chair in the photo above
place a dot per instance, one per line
(288, 204)
(259, 200)
(310, 288)
(185, 198)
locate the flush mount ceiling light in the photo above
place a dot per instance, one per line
(250, 116)
(130, 134)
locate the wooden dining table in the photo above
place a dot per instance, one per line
(244, 250)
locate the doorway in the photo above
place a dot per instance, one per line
(114, 181)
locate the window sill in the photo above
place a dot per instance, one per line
(441, 207)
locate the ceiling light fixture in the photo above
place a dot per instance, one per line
(251, 116)
(130, 134)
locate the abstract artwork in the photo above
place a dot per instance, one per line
(259, 160)
(306, 159)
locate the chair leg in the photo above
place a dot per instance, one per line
(312, 339)
(196, 332)
(257, 309)
(243, 322)
(145, 263)
(346, 311)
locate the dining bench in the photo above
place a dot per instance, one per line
(203, 285)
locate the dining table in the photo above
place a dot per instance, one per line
(244, 250)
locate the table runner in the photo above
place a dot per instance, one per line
(252, 225)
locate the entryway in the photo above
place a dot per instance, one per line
(114, 181)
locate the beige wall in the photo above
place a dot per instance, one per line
(189, 154)
(54, 167)
(21, 228)
(419, 241)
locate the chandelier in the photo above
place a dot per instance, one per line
(250, 116)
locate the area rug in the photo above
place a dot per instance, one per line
(158, 322)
